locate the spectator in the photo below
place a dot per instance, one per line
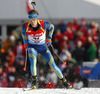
(75, 26)
(92, 24)
(20, 68)
(3, 78)
(68, 72)
(7, 68)
(50, 85)
(41, 78)
(70, 24)
(12, 40)
(64, 43)
(51, 77)
(77, 69)
(95, 36)
(7, 44)
(12, 77)
(11, 58)
(83, 28)
(19, 51)
(57, 39)
(69, 33)
(78, 53)
(58, 36)
(85, 81)
(65, 55)
(81, 38)
(20, 82)
(61, 26)
(78, 84)
(92, 50)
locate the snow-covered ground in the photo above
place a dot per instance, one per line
(50, 91)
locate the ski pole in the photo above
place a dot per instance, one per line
(57, 54)
(33, 3)
(25, 61)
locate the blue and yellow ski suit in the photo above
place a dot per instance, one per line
(35, 42)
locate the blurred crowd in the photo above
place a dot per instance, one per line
(74, 42)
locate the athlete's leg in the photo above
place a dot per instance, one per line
(49, 58)
(32, 53)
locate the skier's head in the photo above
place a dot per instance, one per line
(33, 16)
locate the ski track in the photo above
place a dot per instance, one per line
(50, 91)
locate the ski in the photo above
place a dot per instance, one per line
(29, 89)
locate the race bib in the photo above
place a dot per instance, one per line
(38, 38)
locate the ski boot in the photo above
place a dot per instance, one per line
(65, 83)
(34, 82)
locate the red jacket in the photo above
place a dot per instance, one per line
(50, 85)
(82, 39)
(20, 84)
(22, 52)
(84, 30)
(70, 35)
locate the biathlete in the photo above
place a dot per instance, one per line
(34, 38)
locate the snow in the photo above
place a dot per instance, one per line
(50, 91)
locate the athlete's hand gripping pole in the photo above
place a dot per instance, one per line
(25, 61)
(48, 41)
(57, 54)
